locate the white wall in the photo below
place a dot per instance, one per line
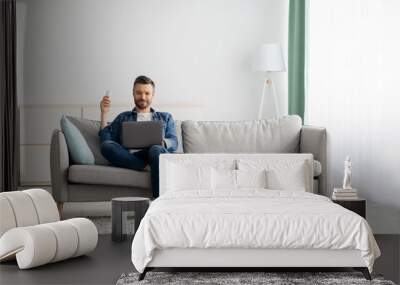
(354, 92)
(197, 51)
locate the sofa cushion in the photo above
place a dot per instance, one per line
(262, 136)
(108, 175)
(89, 130)
(77, 146)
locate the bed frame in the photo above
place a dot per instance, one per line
(246, 258)
(242, 259)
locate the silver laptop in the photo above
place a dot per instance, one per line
(141, 134)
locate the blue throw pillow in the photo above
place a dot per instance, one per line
(77, 145)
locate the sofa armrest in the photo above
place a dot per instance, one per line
(313, 140)
(59, 165)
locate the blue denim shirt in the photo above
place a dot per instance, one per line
(114, 130)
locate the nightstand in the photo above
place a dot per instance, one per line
(358, 206)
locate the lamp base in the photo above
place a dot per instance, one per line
(268, 82)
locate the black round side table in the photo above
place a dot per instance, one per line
(125, 204)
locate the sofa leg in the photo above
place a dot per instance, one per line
(60, 207)
(364, 271)
(143, 274)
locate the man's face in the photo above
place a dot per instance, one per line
(143, 95)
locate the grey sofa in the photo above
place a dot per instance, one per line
(101, 182)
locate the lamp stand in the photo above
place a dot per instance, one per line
(268, 82)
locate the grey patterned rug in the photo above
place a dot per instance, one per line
(229, 278)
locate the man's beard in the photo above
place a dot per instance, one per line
(142, 104)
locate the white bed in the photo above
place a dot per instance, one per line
(247, 227)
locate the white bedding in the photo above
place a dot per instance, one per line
(250, 218)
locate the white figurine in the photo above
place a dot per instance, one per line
(347, 174)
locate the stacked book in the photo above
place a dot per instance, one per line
(344, 194)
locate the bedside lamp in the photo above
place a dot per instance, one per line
(269, 58)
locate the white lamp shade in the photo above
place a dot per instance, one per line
(269, 58)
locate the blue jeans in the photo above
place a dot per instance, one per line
(119, 156)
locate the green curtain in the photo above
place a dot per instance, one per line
(297, 57)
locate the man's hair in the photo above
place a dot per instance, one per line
(142, 79)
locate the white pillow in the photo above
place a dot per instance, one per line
(282, 173)
(223, 179)
(291, 177)
(182, 177)
(229, 179)
(251, 178)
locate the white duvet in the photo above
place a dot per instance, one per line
(251, 218)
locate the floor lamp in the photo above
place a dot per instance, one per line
(269, 59)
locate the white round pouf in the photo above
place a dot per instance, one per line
(26, 208)
(87, 233)
(32, 246)
(24, 211)
(45, 206)
(66, 237)
(31, 230)
(41, 244)
(7, 220)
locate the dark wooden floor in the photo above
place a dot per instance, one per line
(110, 260)
(102, 266)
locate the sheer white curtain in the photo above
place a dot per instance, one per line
(354, 91)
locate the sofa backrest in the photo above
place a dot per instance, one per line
(263, 136)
